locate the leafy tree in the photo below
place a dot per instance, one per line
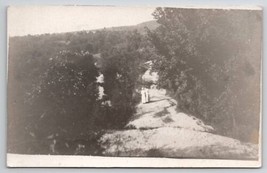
(203, 60)
(121, 70)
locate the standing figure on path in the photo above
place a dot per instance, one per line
(52, 146)
(147, 95)
(143, 95)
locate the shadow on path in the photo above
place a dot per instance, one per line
(153, 101)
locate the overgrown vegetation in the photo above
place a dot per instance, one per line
(208, 60)
(54, 91)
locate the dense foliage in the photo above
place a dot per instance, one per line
(54, 92)
(210, 60)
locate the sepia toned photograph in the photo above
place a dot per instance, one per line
(114, 86)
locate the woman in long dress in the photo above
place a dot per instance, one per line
(143, 95)
(147, 95)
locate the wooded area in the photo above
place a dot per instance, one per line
(209, 61)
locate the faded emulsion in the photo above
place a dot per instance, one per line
(179, 83)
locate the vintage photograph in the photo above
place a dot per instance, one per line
(111, 82)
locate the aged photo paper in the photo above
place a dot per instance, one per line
(120, 86)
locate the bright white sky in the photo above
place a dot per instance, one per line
(33, 20)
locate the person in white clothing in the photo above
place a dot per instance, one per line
(143, 95)
(147, 95)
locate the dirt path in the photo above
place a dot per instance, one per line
(158, 130)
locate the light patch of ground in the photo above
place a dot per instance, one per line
(175, 142)
(149, 75)
(160, 112)
(158, 130)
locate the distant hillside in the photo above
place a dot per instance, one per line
(140, 27)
